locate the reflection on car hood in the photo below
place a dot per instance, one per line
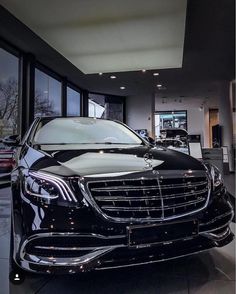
(105, 160)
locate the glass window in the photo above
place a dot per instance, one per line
(170, 121)
(73, 102)
(9, 66)
(108, 107)
(47, 95)
(96, 106)
(83, 130)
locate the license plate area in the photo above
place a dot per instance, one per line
(160, 233)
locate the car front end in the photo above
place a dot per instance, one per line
(87, 223)
(81, 207)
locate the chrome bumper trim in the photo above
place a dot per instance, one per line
(217, 236)
(149, 262)
(220, 217)
(95, 252)
(215, 219)
(58, 261)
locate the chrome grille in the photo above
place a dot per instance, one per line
(150, 198)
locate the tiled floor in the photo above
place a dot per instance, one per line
(211, 272)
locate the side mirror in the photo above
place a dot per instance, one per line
(150, 140)
(11, 141)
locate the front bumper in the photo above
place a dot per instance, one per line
(72, 250)
(120, 255)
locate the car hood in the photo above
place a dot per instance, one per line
(106, 160)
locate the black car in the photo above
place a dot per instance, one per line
(174, 133)
(90, 194)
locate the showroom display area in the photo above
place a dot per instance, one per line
(117, 146)
(90, 194)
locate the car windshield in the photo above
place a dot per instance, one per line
(83, 131)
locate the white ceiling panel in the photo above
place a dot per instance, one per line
(109, 36)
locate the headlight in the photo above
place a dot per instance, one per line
(47, 186)
(216, 176)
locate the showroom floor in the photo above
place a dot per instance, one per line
(209, 272)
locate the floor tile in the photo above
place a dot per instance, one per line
(199, 286)
(211, 266)
(132, 281)
(4, 246)
(31, 285)
(4, 283)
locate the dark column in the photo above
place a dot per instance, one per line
(226, 119)
(64, 96)
(84, 103)
(27, 91)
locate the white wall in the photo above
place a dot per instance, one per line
(140, 112)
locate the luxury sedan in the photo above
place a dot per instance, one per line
(90, 194)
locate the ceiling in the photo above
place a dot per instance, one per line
(209, 58)
(108, 36)
(208, 51)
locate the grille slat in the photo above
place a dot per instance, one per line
(123, 188)
(123, 198)
(148, 198)
(146, 208)
(131, 188)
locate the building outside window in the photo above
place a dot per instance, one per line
(47, 95)
(73, 102)
(105, 106)
(96, 107)
(9, 68)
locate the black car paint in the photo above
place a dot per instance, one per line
(31, 217)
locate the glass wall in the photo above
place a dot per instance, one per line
(9, 76)
(73, 102)
(47, 95)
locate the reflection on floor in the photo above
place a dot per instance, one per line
(211, 272)
(229, 181)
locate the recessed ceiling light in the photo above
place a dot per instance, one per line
(156, 73)
(122, 88)
(100, 73)
(112, 77)
(143, 70)
(159, 85)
